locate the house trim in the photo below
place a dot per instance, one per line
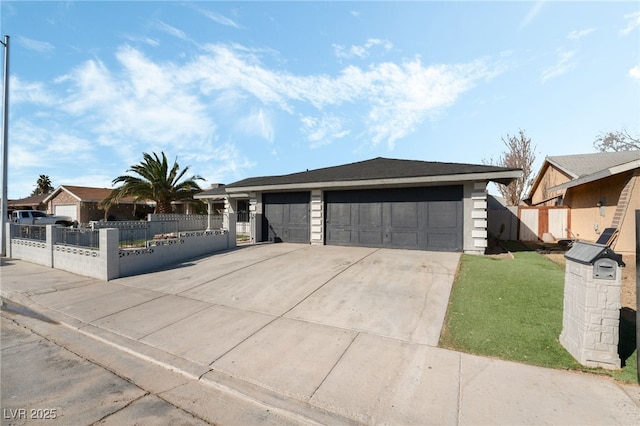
(381, 183)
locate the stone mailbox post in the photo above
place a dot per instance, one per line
(591, 317)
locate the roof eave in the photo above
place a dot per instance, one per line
(598, 175)
(562, 168)
(500, 177)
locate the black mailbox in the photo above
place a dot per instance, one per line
(604, 260)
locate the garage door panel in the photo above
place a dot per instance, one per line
(369, 214)
(428, 218)
(404, 239)
(439, 214)
(276, 213)
(297, 235)
(404, 214)
(339, 214)
(446, 240)
(373, 237)
(298, 213)
(339, 236)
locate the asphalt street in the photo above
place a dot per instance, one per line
(45, 383)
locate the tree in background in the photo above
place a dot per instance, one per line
(619, 140)
(518, 155)
(43, 186)
(154, 181)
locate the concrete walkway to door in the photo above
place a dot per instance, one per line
(316, 334)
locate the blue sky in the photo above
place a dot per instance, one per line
(241, 89)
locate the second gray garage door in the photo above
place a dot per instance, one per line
(428, 218)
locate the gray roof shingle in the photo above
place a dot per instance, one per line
(377, 168)
(587, 164)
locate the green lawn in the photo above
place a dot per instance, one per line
(512, 309)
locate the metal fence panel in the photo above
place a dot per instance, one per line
(159, 227)
(133, 237)
(164, 229)
(89, 238)
(188, 222)
(30, 232)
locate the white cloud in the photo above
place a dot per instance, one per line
(223, 161)
(29, 92)
(257, 123)
(34, 145)
(139, 104)
(635, 72)
(227, 68)
(220, 19)
(323, 130)
(578, 34)
(563, 65)
(533, 13)
(144, 40)
(634, 22)
(362, 51)
(398, 97)
(93, 84)
(173, 31)
(36, 45)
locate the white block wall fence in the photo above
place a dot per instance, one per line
(109, 261)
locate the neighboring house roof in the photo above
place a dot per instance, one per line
(86, 194)
(582, 165)
(33, 201)
(378, 171)
(584, 168)
(215, 193)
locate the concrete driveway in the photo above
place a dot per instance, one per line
(318, 331)
(401, 294)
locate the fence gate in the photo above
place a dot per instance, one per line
(536, 221)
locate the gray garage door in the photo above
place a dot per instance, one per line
(286, 217)
(414, 218)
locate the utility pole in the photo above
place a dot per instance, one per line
(5, 145)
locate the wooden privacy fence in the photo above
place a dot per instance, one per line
(537, 221)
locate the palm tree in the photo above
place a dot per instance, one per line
(155, 181)
(43, 186)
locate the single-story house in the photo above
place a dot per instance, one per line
(34, 202)
(82, 204)
(380, 202)
(597, 191)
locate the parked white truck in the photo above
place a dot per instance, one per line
(36, 217)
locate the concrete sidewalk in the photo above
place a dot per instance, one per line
(316, 334)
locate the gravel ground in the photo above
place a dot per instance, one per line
(628, 297)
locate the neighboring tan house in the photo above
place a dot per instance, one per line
(81, 204)
(598, 191)
(381, 202)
